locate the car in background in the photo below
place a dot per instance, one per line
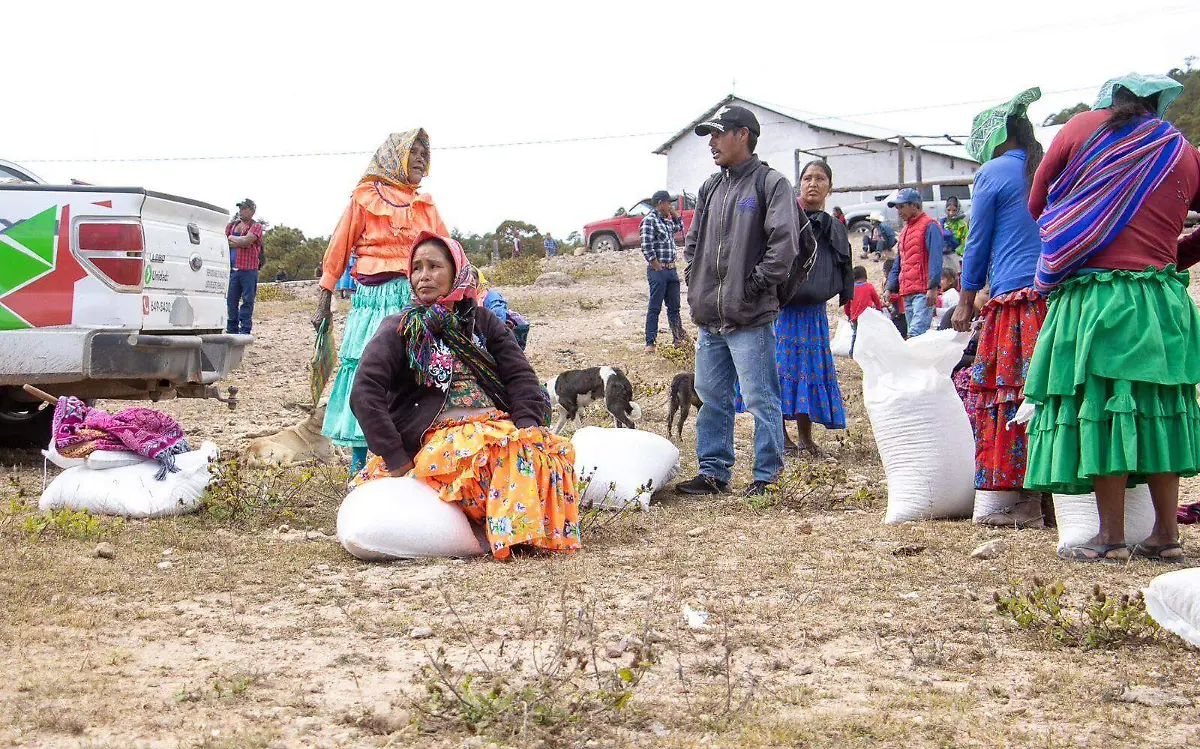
(933, 200)
(107, 292)
(623, 230)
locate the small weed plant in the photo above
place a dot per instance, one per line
(811, 487)
(274, 293)
(552, 698)
(682, 358)
(64, 523)
(239, 492)
(1100, 621)
(518, 271)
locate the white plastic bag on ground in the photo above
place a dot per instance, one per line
(1079, 522)
(623, 467)
(843, 337)
(133, 491)
(1173, 600)
(920, 424)
(97, 461)
(403, 518)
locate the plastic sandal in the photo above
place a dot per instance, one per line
(1101, 551)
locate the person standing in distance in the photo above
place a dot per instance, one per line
(745, 237)
(245, 260)
(917, 274)
(658, 231)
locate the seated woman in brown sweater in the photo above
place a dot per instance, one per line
(445, 395)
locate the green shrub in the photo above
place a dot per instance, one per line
(1098, 622)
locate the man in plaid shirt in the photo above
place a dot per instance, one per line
(658, 231)
(245, 260)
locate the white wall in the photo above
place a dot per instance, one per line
(689, 161)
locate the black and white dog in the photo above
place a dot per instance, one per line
(683, 399)
(574, 389)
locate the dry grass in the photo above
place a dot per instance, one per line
(815, 636)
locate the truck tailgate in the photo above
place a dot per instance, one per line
(187, 265)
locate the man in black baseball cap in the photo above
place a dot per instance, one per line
(746, 236)
(658, 231)
(725, 127)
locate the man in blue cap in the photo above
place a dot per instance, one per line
(917, 272)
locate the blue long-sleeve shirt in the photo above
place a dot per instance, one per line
(934, 244)
(1003, 243)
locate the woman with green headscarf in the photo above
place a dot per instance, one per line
(1115, 370)
(1002, 250)
(378, 228)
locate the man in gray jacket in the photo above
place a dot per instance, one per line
(744, 239)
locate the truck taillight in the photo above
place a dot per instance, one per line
(113, 250)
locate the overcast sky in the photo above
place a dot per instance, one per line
(101, 81)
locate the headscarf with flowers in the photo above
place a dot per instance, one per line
(390, 162)
(440, 333)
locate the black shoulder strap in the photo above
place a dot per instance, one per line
(701, 214)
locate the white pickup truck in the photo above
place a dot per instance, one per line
(107, 292)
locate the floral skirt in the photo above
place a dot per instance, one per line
(808, 383)
(1114, 376)
(371, 304)
(1007, 337)
(519, 483)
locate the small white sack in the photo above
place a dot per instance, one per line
(842, 338)
(1173, 600)
(989, 503)
(97, 461)
(51, 454)
(102, 460)
(133, 491)
(1079, 522)
(403, 518)
(623, 467)
(920, 424)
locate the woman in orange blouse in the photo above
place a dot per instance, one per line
(379, 226)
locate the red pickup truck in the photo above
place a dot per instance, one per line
(622, 231)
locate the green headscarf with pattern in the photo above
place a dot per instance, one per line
(990, 127)
(1141, 86)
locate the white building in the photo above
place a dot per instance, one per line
(845, 146)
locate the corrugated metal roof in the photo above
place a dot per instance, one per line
(821, 122)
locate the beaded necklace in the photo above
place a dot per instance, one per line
(384, 198)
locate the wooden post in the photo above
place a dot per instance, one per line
(900, 142)
(495, 251)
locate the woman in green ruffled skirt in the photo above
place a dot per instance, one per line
(1117, 361)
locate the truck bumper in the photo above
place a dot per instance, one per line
(70, 356)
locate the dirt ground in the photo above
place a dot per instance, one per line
(825, 628)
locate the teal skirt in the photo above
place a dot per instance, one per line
(370, 306)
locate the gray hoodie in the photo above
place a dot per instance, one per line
(732, 276)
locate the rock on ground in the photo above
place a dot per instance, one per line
(554, 278)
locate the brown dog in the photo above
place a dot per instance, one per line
(294, 445)
(683, 398)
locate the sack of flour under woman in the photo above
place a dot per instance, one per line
(134, 491)
(622, 467)
(403, 518)
(920, 425)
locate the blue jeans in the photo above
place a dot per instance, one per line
(918, 314)
(664, 286)
(243, 287)
(746, 356)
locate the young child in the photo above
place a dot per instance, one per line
(865, 297)
(948, 299)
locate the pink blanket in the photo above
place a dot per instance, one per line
(80, 430)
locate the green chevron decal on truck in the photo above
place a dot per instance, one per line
(26, 254)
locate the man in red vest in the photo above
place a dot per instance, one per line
(917, 274)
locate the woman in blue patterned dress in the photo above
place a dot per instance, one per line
(807, 379)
